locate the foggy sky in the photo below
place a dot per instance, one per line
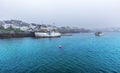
(80, 13)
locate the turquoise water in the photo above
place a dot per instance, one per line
(81, 53)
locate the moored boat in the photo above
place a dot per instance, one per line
(99, 34)
(47, 35)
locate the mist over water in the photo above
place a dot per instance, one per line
(79, 13)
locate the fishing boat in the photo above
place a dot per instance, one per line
(99, 34)
(47, 35)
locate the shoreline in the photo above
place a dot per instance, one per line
(5, 35)
(26, 34)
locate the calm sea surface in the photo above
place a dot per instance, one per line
(81, 53)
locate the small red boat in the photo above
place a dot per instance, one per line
(60, 46)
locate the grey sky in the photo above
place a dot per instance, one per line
(82, 13)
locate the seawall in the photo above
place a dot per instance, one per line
(16, 34)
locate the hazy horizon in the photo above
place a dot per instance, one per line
(80, 13)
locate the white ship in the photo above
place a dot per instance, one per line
(99, 34)
(47, 35)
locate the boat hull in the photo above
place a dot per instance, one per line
(46, 35)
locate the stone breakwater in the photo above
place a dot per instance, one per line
(17, 34)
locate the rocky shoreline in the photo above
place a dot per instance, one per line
(22, 35)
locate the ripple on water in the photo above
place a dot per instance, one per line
(106, 71)
(80, 54)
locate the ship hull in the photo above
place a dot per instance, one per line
(47, 35)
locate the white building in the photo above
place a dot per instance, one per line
(32, 26)
(10, 25)
(24, 28)
(15, 26)
(7, 26)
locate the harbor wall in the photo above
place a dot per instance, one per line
(17, 34)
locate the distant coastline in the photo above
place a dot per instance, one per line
(17, 28)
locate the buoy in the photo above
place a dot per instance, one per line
(60, 46)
